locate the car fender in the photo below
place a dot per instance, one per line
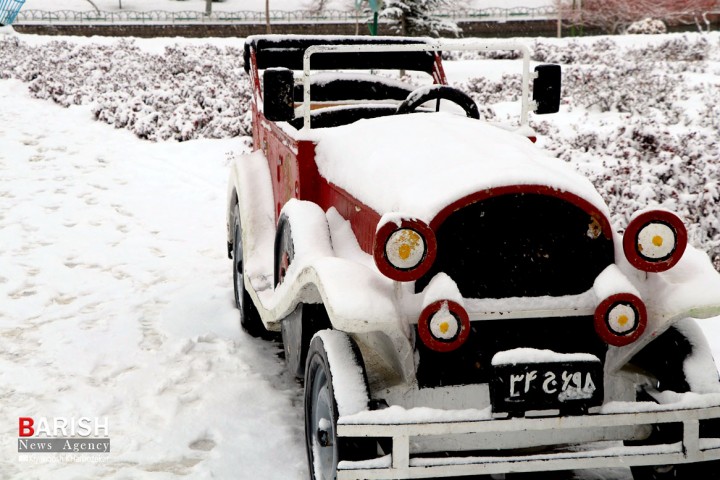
(687, 290)
(357, 299)
(251, 187)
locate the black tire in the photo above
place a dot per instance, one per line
(284, 249)
(684, 471)
(664, 359)
(295, 341)
(665, 472)
(324, 448)
(704, 470)
(249, 315)
(298, 329)
(306, 320)
(689, 471)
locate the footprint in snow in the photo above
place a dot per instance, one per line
(202, 444)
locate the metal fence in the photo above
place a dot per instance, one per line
(9, 10)
(277, 16)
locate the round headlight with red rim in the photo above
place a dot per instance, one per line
(404, 252)
(620, 319)
(655, 241)
(444, 326)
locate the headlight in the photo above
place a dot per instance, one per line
(620, 319)
(405, 248)
(655, 241)
(404, 251)
(444, 326)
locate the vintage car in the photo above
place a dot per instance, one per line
(456, 300)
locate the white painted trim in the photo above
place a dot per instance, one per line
(691, 449)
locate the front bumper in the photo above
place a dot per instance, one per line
(401, 464)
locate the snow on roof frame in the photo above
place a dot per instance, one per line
(428, 46)
(287, 51)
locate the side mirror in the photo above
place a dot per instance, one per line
(546, 89)
(278, 103)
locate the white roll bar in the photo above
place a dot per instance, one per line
(527, 103)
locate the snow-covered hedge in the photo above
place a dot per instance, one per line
(186, 92)
(648, 26)
(641, 119)
(643, 124)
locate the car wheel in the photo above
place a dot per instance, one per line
(320, 415)
(685, 471)
(298, 329)
(664, 358)
(704, 470)
(249, 315)
(284, 249)
(302, 323)
(655, 472)
(324, 448)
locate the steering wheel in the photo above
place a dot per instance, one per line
(436, 92)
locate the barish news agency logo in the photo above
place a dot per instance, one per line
(63, 435)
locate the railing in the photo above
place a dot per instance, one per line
(276, 16)
(9, 10)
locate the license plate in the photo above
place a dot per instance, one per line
(570, 387)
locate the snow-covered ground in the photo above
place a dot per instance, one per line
(116, 303)
(240, 5)
(116, 290)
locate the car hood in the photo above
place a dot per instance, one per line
(419, 163)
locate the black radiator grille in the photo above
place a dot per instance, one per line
(520, 245)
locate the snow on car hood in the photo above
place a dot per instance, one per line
(419, 163)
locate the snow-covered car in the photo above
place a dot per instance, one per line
(456, 300)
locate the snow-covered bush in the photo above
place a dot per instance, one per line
(623, 86)
(186, 92)
(659, 145)
(677, 48)
(487, 92)
(550, 53)
(648, 26)
(645, 163)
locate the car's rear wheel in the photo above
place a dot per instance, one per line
(249, 315)
(301, 324)
(297, 331)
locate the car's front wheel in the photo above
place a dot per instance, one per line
(321, 414)
(665, 358)
(324, 448)
(690, 471)
(249, 315)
